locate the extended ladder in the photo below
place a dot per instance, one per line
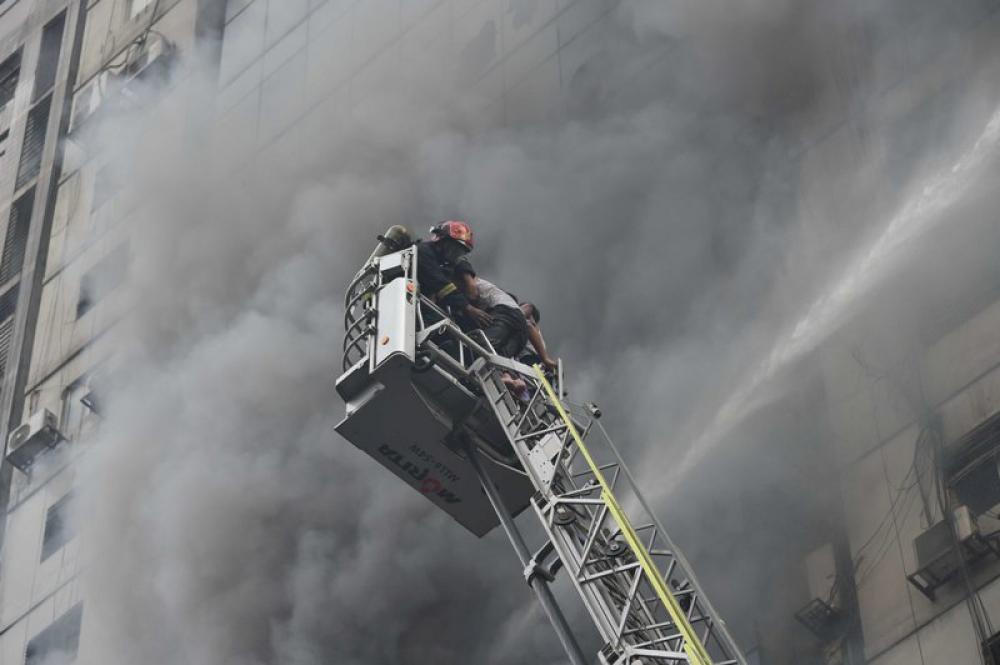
(637, 587)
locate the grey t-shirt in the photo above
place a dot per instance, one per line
(491, 295)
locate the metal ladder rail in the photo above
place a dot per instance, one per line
(682, 619)
(506, 412)
(586, 535)
(579, 529)
(618, 575)
(581, 532)
(701, 609)
(655, 627)
(605, 596)
(635, 616)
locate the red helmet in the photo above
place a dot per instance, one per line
(455, 230)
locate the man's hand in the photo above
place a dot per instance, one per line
(550, 363)
(481, 318)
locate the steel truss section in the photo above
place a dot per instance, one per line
(637, 587)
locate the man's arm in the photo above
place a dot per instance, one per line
(468, 286)
(535, 335)
(464, 276)
(467, 283)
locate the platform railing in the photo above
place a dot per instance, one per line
(439, 337)
(359, 314)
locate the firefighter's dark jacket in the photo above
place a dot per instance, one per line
(435, 277)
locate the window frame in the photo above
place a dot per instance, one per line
(58, 536)
(102, 279)
(66, 628)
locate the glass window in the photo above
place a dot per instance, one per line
(58, 531)
(102, 279)
(8, 306)
(48, 56)
(59, 642)
(34, 142)
(972, 470)
(16, 238)
(10, 69)
(74, 412)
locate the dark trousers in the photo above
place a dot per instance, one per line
(508, 332)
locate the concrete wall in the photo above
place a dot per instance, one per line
(32, 591)
(875, 431)
(872, 407)
(66, 348)
(850, 157)
(28, 579)
(290, 67)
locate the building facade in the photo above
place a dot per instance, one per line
(909, 381)
(65, 261)
(40, 59)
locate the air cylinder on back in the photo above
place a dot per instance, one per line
(393, 240)
(397, 237)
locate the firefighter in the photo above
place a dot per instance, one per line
(443, 266)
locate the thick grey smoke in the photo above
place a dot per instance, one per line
(654, 220)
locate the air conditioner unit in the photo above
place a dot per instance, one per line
(938, 557)
(88, 100)
(934, 547)
(991, 649)
(824, 620)
(32, 438)
(154, 61)
(966, 525)
(821, 614)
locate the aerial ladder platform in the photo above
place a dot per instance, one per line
(427, 401)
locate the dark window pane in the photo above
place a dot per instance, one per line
(8, 304)
(34, 142)
(10, 69)
(48, 57)
(973, 473)
(57, 527)
(102, 279)
(991, 649)
(61, 637)
(16, 238)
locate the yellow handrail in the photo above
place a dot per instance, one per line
(695, 650)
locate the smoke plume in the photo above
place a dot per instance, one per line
(651, 207)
